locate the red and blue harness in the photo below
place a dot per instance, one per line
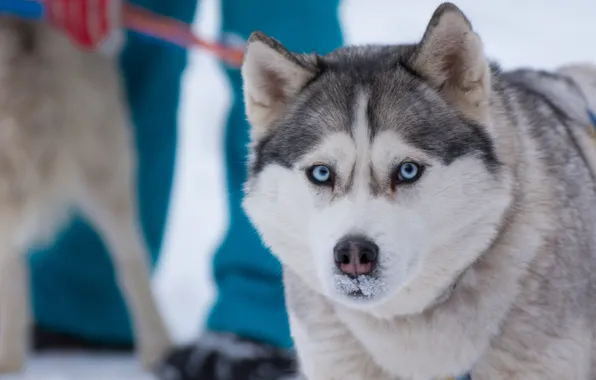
(92, 24)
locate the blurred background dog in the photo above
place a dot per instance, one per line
(66, 143)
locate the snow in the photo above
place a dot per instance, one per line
(539, 33)
(80, 366)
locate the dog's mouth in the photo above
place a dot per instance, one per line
(361, 288)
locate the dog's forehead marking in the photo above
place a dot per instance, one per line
(361, 135)
(360, 125)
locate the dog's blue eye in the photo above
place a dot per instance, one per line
(320, 175)
(408, 172)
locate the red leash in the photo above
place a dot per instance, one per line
(171, 30)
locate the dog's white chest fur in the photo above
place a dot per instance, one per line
(411, 348)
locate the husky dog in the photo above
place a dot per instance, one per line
(434, 216)
(65, 141)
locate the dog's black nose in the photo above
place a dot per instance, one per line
(356, 255)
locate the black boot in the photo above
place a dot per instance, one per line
(219, 356)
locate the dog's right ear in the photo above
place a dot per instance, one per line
(272, 76)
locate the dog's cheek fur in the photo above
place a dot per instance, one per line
(464, 203)
(462, 206)
(279, 203)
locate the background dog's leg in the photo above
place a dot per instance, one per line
(14, 310)
(111, 206)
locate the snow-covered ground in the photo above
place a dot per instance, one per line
(540, 33)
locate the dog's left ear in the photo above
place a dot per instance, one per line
(272, 77)
(451, 57)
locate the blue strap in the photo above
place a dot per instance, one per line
(23, 8)
(592, 117)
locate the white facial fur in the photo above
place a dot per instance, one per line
(427, 232)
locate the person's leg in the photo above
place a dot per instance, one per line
(248, 277)
(73, 284)
(250, 302)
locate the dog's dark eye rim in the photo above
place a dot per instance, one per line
(396, 177)
(309, 174)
